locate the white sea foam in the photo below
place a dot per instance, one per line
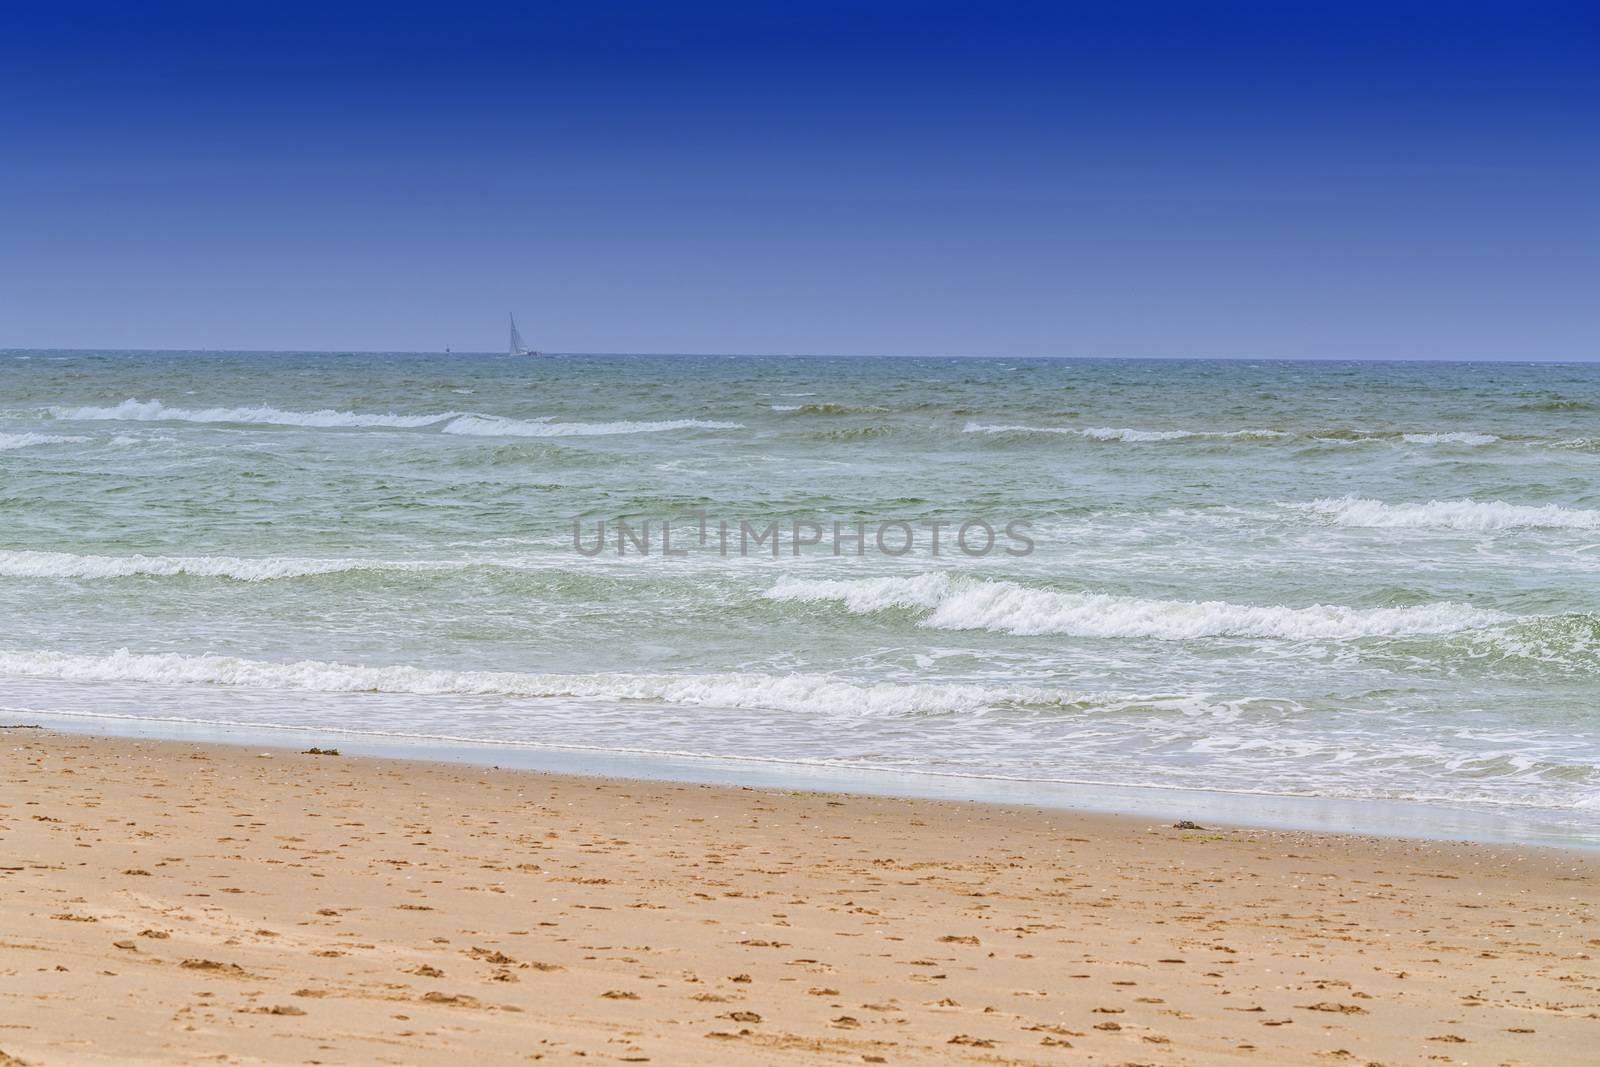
(1137, 436)
(134, 410)
(29, 564)
(455, 422)
(9, 441)
(864, 596)
(1481, 515)
(1122, 433)
(979, 427)
(789, 693)
(1455, 438)
(494, 426)
(1006, 607)
(1113, 433)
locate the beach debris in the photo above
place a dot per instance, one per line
(619, 994)
(1334, 1006)
(126, 945)
(320, 752)
(211, 965)
(1187, 824)
(489, 955)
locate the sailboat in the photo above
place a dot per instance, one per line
(517, 347)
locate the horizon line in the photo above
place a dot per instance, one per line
(104, 350)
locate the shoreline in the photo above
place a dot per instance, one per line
(270, 905)
(1410, 819)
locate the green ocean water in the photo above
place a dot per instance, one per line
(1346, 580)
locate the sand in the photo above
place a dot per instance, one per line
(175, 902)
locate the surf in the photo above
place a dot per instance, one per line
(1009, 608)
(796, 692)
(1467, 514)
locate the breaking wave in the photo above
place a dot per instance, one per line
(155, 411)
(1456, 438)
(9, 441)
(1127, 434)
(495, 426)
(454, 422)
(1136, 436)
(790, 693)
(1006, 607)
(29, 564)
(830, 409)
(1481, 515)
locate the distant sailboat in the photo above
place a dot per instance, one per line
(517, 347)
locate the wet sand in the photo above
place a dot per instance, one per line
(178, 902)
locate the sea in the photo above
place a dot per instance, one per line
(1346, 581)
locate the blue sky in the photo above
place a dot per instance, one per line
(1397, 180)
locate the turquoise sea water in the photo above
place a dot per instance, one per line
(1344, 580)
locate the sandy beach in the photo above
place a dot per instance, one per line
(177, 902)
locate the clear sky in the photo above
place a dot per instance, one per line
(1284, 179)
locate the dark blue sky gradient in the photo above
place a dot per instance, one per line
(1110, 179)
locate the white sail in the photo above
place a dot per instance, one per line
(517, 347)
